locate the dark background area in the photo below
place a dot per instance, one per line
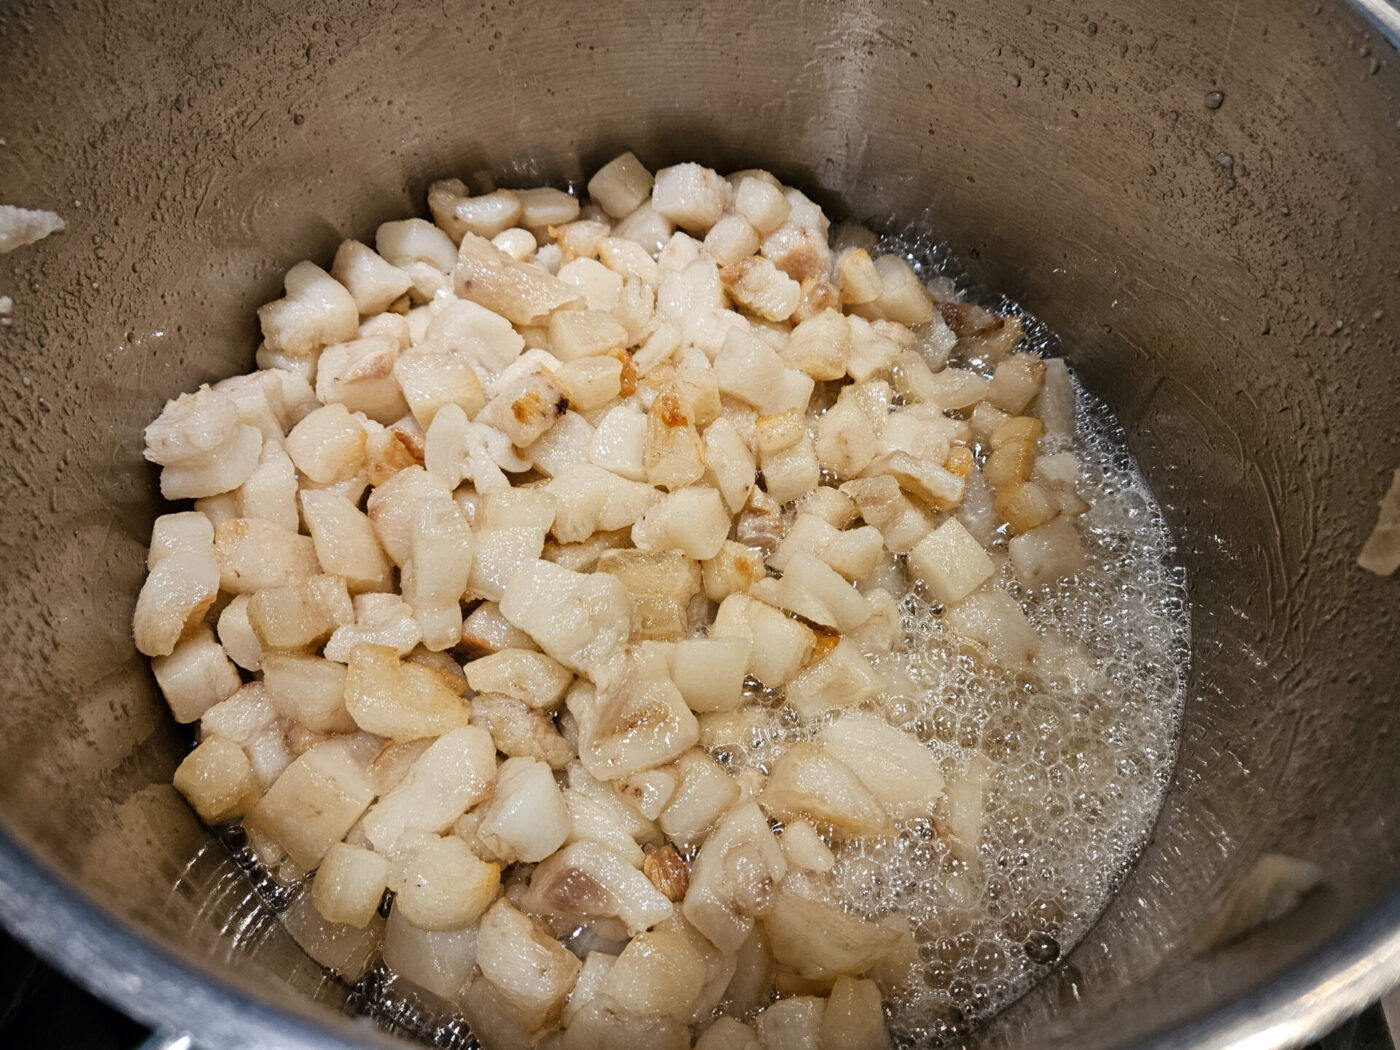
(40, 1009)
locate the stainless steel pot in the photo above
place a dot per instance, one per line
(1224, 275)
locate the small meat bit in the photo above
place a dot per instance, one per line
(667, 872)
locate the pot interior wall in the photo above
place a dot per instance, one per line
(1223, 277)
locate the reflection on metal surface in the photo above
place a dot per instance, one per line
(1243, 323)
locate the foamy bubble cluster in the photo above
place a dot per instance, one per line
(1083, 753)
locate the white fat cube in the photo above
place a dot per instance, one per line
(846, 439)
(316, 312)
(994, 619)
(710, 672)
(485, 215)
(820, 345)
(841, 678)
(522, 292)
(498, 554)
(585, 333)
(731, 463)
(855, 553)
(883, 504)
(673, 455)
(327, 445)
(439, 961)
(527, 968)
(609, 745)
(527, 819)
(373, 282)
(217, 780)
(443, 886)
(397, 700)
(1047, 553)
(563, 446)
(809, 781)
(731, 239)
(254, 554)
(242, 718)
(579, 239)
(432, 375)
(435, 578)
(846, 607)
(1016, 382)
(393, 507)
(486, 631)
(658, 974)
(761, 288)
(619, 443)
(317, 799)
(215, 472)
(488, 340)
(733, 570)
(192, 426)
(704, 792)
(526, 408)
(517, 243)
(520, 731)
(591, 382)
(692, 520)
(804, 848)
(1055, 404)
(829, 505)
(858, 278)
(531, 677)
(455, 772)
(727, 878)
(270, 492)
(621, 185)
(649, 790)
(691, 196)
(308, 689)
(177, 591)
(680, 251)
(775, 433)
(647, 227)
(956, 388)
(792, 472)
(903, 297)
(628, 259)
(345, 542)
(597, 327)
(546, 206)
(748, 368)
(854, 1017)
(635, 309)
(236, 634)
(580, 620)
(900, 771)
(950, 563)
(380, 619)
(761, 203)
(885, 628)
(799, 246)
(661, 586)
(176, 533)
(301, 614)
(350, 884)
(195, 676)
(935, 485)
(779, 644)
(407, 241)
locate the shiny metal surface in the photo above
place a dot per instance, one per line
(1224, 277)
